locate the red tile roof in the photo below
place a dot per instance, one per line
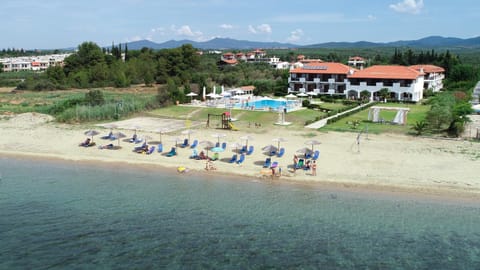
(230, 61)
(323, 68)
(428, 68)
(386, 72)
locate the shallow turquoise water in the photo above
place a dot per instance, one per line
(68, 216)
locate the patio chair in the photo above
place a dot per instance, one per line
(316, 154)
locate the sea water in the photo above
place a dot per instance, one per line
(63, 215)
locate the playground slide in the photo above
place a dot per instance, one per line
(232, 127)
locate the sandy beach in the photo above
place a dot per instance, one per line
(380, 162)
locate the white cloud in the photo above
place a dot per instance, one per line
(226, 26)
(185, 30)
(371, 17)
(260, 29)
(295, 35)
(408, 6)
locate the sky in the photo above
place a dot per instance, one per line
(52, 24)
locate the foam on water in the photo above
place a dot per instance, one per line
(62, 215)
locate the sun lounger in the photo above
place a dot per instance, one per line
(151, 150)
(233, 159)
(107, 137)
(308, 155)
(316, 154)
(243, 150)
(250, 150)
(160, 148)
(267, 163)
(274, 164)
(224, 145)
(172, 152)
(194, 144)
(215, 157)
(241, 159)
(138, 148)
(281, 152)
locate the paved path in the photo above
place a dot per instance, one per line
(323, 122)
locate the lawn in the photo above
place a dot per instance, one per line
(417, 113)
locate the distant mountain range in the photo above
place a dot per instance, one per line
(230, 44)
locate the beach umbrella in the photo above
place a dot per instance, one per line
(111, 126)
(218, 136)
(246, 138)
(135, 128)
(304, 150)
(279, 140)
(91, 133)
(176, 140)
(207, 145)
(147, 137)
(269, 149)
(191, 95)
(235, 146)
(162, 131)
(302, 95)
(217, 150)
(188, 132)
(312, 143)
(290, 96)
(119, 135)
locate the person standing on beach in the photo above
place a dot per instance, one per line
(314, 168)
(295, 162)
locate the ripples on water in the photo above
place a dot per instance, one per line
(62, 215)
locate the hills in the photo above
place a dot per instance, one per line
(229, 44)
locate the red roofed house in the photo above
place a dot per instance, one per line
(403, 83)
(356, 62)
(228, 58)
(320, 78)
(433, 78)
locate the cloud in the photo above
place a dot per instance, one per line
(185, 30)
(408, 6)
(371, 17)
(226, 26)
(260, 29)
(295, 35)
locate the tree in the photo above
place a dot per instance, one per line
(365, 95)
(384, 93)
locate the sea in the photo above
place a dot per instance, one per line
(67, 215)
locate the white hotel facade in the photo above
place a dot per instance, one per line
(403, 82)
(33, 63)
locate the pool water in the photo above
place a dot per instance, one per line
(263, 104)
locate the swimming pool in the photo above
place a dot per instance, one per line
(267, 104)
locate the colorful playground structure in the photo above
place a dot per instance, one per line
(222, 121)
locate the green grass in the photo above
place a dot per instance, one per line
(417, 113)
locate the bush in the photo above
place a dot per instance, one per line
(305, 103)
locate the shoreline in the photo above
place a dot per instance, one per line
(387, 162)
(430, 194)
